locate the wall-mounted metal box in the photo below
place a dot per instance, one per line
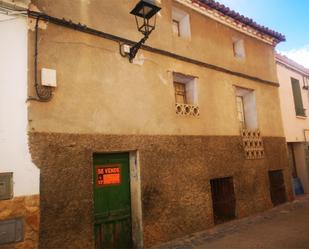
(6, 186)
(49, 77)
(11, 231)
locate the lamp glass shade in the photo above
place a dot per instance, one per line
(145, 9)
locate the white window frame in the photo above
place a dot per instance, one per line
(183, 19)
(249, 106)
(239, 48)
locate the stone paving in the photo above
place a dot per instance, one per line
(233, 234)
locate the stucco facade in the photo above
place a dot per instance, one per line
(295, 126)
(15, 158)
(104, 104)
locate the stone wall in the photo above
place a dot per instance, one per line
(175, 175)
(26, 207)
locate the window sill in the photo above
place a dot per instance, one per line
(187, 110)
(301, 117)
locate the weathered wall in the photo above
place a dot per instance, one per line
(26, 207)
(103, 104)
(210, 41)
(175, 174)
(101, 92)
(293, 126)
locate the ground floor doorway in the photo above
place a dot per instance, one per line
(112, 201)
(223, 199)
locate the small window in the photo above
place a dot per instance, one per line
(298, 102)
(180, 93)
(185, 89)
(180, 23)
(176, 28)
(246, 108)
(240, 110)
(239, 48)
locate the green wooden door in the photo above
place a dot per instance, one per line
(112, 202)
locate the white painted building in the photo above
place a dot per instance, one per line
(19, 177)
(294, 98)
(15, 156)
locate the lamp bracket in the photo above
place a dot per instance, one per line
(134, 49)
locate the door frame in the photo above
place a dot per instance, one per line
(135, 192)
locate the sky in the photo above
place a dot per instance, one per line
(288, 17)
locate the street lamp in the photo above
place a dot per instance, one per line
(144, 12)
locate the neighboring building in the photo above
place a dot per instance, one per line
(294, 86)
(19, 177)
(187, 136)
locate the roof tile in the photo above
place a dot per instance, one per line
(248, 21)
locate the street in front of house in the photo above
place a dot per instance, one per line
(283, 227)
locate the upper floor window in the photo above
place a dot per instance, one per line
(180, 93)
(176, 27)
(180, 23)
(246, 108)
(239, 48)
(298, 102)
(240, 111)
(185, 88)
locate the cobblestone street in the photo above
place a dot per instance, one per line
(285, 226)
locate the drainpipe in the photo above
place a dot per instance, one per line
(305, 130)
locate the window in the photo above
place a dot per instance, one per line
(185, 88)
(246, 108)
(239, 48)
(180, 93)
(181, 23)
(176, 28)
(240, 110)
(298, 102)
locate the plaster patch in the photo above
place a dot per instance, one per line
(85, 1)
(162, 79)
(139, 60)
(34, 8)
(32, 23)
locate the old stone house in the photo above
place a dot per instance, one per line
(186, 136)
(294, 99)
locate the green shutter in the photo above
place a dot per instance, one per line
(298, 102)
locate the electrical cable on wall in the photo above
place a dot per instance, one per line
(44, 93)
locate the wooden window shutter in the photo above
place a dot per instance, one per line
(298, 102)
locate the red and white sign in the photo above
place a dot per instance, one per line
(107, 175)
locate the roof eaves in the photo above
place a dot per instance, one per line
(245, 20)
(292, 64)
